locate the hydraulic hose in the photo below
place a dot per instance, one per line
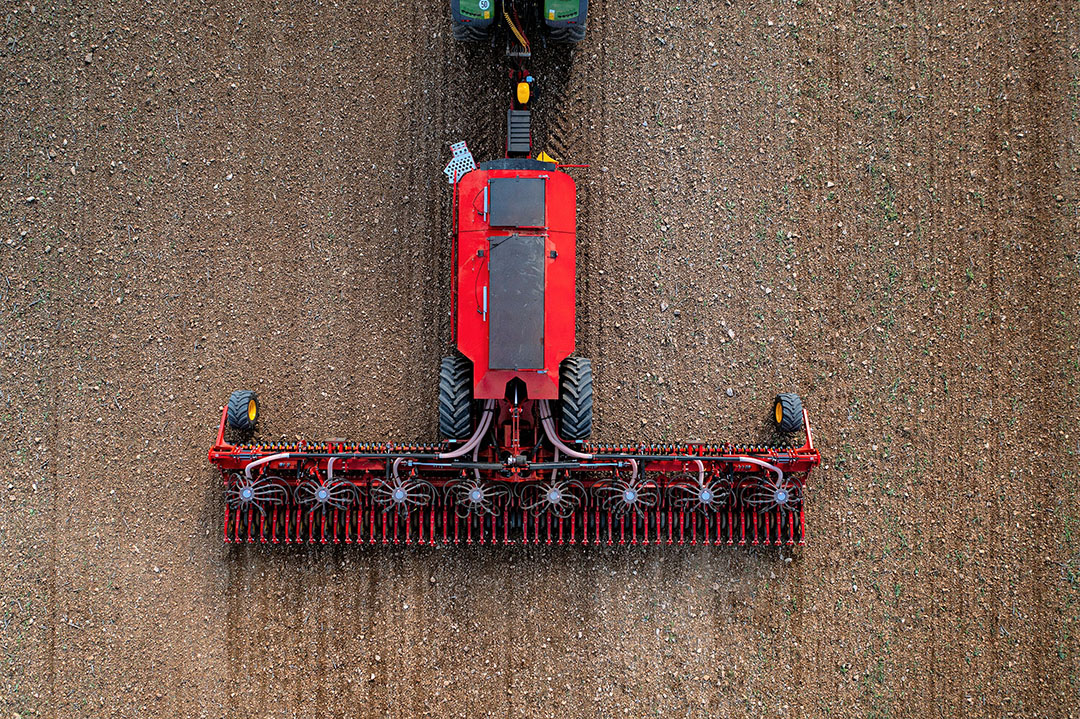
(517, 32)
(264, 460)
(761, 463)
(553, 437)
(481, 430)
(475, 457)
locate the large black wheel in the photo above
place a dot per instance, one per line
(563, 31)
(455, 398)
(467, 33)
(787, 412)
(575, 398)
(243, 410)
(568, 34)
(468, 21)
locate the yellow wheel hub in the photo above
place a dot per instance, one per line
(779, 413)
(253, 410)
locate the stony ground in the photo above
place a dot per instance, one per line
(878, 200)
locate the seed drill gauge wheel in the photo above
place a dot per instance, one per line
(243, 410)
(787, 412)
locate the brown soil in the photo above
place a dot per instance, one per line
(879, 199)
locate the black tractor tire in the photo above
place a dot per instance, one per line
(455, 397)
(564, 33)
(472, 29)
(575, 398)
(464, 32)
(787, 412)
(243, 411)
(567, 35)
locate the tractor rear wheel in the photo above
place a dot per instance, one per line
(575, 398)
(243, 410)
(469, 24)
(787, 412)
(567, 35)
(464, 32)
(455, 397)
(561, 29)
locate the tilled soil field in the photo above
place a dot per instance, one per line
(874, 204)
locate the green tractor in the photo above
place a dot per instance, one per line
(561, 21)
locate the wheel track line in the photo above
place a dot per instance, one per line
(969, 245)
(831, 237)
(956, 534)
(1045, 73)
(241, 580)
(821, 233)
(944, 535)
(598, 98)
(996, 295)
(442, 295)
(53, 365)
(423, 133)
(938, 528)
(419, 170)
(838, 132)
(233, 572)
(800, 369)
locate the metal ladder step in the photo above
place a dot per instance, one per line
(519, 132)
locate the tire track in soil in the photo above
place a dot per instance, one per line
(988, 542)
(936, 676)
(1047, 80)
(565, 104)
(596, 210)
(250, 610)
(237, 611)
(935, 493)
(408, 222)
(818, 120)
(996, 295)
(290, 592)
(583, 142)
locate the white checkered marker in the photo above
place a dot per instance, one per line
(460, 163)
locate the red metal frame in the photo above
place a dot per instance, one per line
(510, 520)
